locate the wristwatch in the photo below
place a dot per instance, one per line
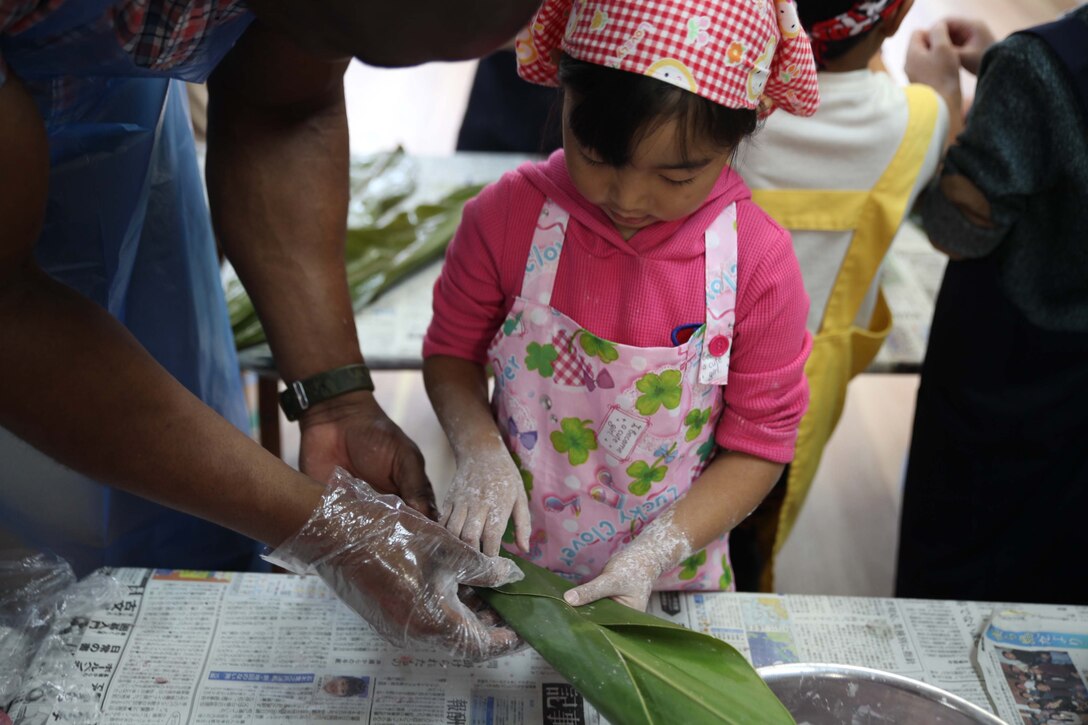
(302, 394)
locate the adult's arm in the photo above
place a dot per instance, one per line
(80, 388)
(1000, 160)
(278, 184)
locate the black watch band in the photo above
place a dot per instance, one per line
(302, 394)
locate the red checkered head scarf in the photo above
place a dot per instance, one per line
(859, 18)
(737, 53)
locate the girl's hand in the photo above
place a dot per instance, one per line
(933, 60)
(629, 576)
(485, 491)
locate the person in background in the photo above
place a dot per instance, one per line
(506, 114)
(116, 355)
(842, 182)
(636, 308)
(1002, 412)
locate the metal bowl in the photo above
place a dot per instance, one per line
(820, 694)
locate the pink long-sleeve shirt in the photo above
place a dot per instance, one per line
(635, 292)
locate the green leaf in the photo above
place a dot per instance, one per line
(658, 390)
(574, 439)
(511, 324)
(540, 358)
(526, 475)
(706, 449)
(727, 574)
(689, 567)
(645, 476)
(597, 347)
(695, 420)
(636, 669)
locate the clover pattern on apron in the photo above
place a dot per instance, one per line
(607, 435)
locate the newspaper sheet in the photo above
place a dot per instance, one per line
(1035, 663)
(247, 649)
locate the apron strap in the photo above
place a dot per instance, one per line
(544, 251)
(721, 297)
(873, 214)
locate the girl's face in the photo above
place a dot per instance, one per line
(659, 184)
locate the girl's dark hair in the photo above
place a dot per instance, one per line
(612, 110)
(810, 12)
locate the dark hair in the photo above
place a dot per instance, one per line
(614, 109)
(811, 12)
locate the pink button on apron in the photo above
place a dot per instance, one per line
(719, 345)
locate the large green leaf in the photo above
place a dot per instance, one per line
(379, 257)
(633, 667)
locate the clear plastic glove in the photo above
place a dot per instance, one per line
(400, 571)
(354, 433)
(629, 575)
(486, 490)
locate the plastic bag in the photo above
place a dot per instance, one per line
(40, 602)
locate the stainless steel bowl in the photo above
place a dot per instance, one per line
(820, 694)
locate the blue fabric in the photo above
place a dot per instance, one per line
(127, 225)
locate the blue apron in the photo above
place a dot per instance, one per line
(127, 225)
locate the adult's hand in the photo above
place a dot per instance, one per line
(971, 38)
(400, 571)
(354, 433)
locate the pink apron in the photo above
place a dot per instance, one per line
(607, 436)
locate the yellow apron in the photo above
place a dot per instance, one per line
(841, 349)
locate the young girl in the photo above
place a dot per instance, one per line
(614, 289)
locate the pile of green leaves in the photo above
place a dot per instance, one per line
(387, 240)
(633, 667)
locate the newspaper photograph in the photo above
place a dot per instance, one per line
(1036, 665)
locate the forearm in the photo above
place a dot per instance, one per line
(723, 496)
(457, 389)
(278, 184)
(80, 388)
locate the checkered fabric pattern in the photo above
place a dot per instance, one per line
(739, 53)
(158, 35)
(162, 35)
(17, 15)
(570, 368)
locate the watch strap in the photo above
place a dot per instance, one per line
(301, 395)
